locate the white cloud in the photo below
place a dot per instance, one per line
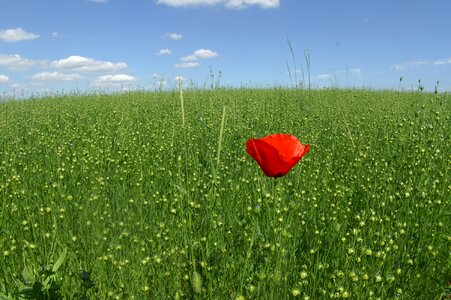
(98, 1)
(246, 3)
(190, 61)
(440, 62)
(4, 78)
(179, 78)
(416, 63)
(15, 62)
(16, 35)
(324, 76)
(205, 53)
(185, 3)
(84, 64)
(366, 20)
(409, 65)
(118, 78)
(55, 76)
(164, 52)
(189, 58)
(191, 64)
(237, 4)
(356, 72)
(175, 36)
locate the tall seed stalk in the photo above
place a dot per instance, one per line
(181, 101)
(221, 132)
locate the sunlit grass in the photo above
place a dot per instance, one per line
(146, 205)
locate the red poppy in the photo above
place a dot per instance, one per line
(276, 154)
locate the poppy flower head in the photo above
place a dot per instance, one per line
(276, 154)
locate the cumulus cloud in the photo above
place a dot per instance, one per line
(4, 78)
(175, 36)
(237, 4)
(16, 35)
(15, 62)
(118, 78)
(164, 52)
(83, 64)
(190, 61)
(205, 53)
(191, 64)
(55, 76)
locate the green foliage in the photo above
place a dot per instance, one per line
(41, 284)
(144, 203)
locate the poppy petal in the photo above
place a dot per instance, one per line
(276, 154)
(266, 156)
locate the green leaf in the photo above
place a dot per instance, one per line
(27, 276)
(46, 284)
(4, 297)
(60, 261)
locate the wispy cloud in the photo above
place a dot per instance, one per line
(185, 65)
(175, 36)
(409, 65)
(83, 64)
(245, 3)
(16, 35)
(98, 1)
(237, 4)
(15, 62)
(353, 71)
(368, 20)
(55, 76)
(324, 76)
(189, 58)
(416, 63)
(4, 78)
(164, 52)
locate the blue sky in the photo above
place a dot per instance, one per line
(50, 45)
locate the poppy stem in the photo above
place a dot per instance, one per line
(221, 131)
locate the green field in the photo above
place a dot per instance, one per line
(111, 196)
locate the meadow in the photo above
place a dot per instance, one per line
(124, 196)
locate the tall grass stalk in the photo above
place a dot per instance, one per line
(308, 62)
(221, 132)
(182, 107)
(293, 57)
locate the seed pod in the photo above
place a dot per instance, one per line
(196, 282)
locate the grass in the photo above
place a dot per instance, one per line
(117, 197)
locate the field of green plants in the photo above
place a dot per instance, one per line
(124, 196)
